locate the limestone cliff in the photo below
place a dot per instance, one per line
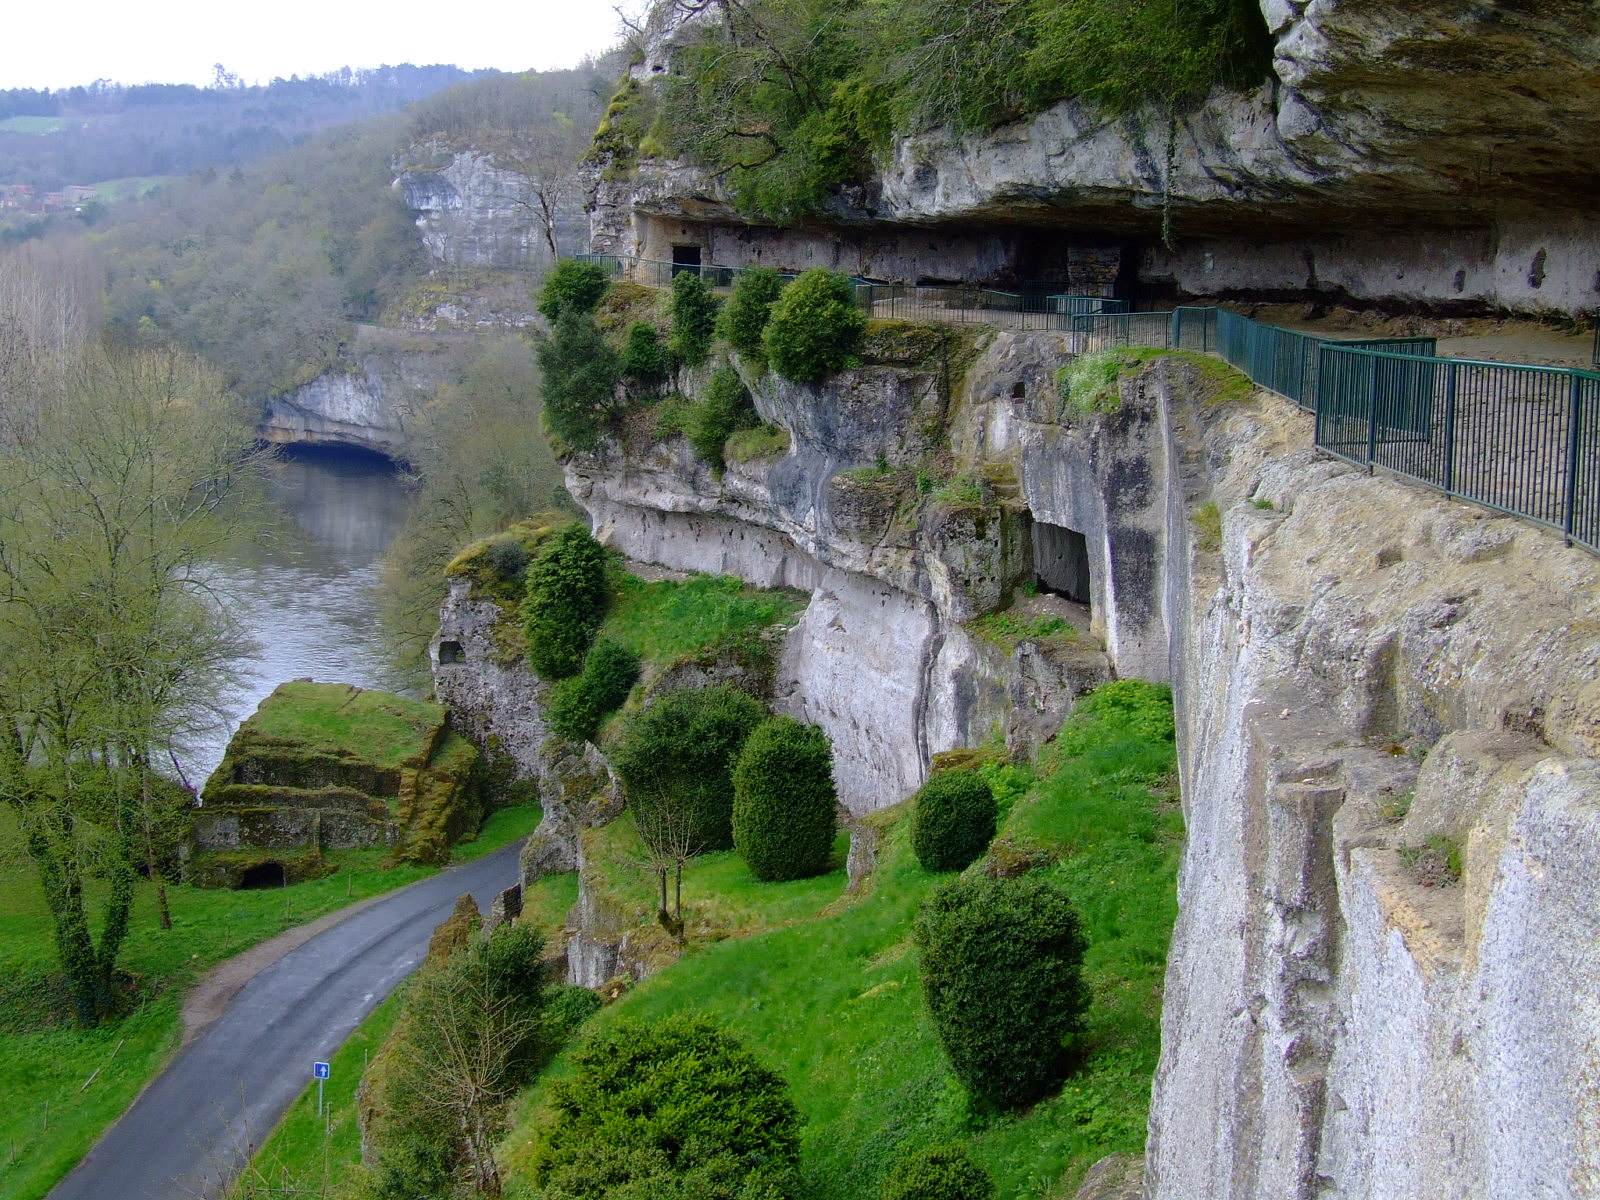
(1385, 978)
(1401, 152)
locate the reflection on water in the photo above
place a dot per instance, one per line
(307, 588)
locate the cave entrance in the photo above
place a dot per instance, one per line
(262, 875)
(1061, 561)
(685, 258)
(450, 652)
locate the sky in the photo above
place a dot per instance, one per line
(178, 41)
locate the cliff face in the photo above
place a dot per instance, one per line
(371, 402)
(1385, 977)
(477, 208)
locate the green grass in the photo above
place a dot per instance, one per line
(335, 718)
(37, 125)
(665, 620)
(48, 1117)
(1207, 522)
(833, 1001)
(130, 187)
(764, 441)
(1009, 630)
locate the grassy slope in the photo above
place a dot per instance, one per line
(333, 718)
(834, 1003)
(663, 620)
(48, 1118)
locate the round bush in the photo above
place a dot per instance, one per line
(952, 820)
(694, 318)
(572, 286)
(744, 318)
(726, 407)
(576, 706)
(676, 1108)
(676, 760)
(578, 370)
(564, 602)
(815, 327)
(1002, 970)
(938, 1173)
(644, 358)
(784, 809)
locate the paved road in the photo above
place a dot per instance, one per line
(193, 1129)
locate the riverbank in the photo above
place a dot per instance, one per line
(60, 1086)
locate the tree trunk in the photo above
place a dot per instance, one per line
(63, 895)
(163, 912)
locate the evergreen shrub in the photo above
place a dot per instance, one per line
(725, 409)
(675, 1110)
(784, 807)
(578, 705)
(680, 752)
(952, 820)
(744, 319)
(1002, 972)
(564, 602)
(572, 286)
(694, 318)
(644, 358)
(815, 327)
(579, 372)
(938, 1173)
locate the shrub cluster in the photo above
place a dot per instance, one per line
(815, 327)
(744, 319)
(1002, 971)
(572, 286)
(578, 705)
(676, 761)
(784, 808)
(677, 1110)
(694, 318)
(725, 409)
(952, 820)
(564, 602)
(938, 1173)
(644, 358)
(579, 372)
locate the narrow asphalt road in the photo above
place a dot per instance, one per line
(195, 1127)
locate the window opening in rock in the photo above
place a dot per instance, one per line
(262, 875)
(685, 258)
(451, 652)
(1061, 561)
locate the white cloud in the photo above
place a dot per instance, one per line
(177, 41)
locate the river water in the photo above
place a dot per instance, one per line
(307, 587)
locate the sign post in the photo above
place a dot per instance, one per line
(321, 1070)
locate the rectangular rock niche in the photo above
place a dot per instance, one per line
(1061, 561)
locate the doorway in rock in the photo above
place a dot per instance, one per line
(262, 875)
(1061, 561)
(685, 258)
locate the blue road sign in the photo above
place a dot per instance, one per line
(322, 1070)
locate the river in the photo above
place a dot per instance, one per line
(307, 588)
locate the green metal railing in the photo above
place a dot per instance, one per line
(1519, 439)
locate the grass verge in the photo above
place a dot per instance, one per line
(833, 1002)
(61, 1086)
(667, 619)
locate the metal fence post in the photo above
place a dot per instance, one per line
(1574, 431)
(1372, 414)
(1450, 430)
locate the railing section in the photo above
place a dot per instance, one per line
(1521, 439)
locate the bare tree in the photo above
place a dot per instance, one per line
(667, 830)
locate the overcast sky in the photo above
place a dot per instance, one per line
(177, 41)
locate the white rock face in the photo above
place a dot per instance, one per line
(1333, 1027)
(338, 409)
(474, 211)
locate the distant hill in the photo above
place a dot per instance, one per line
(104, 131)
